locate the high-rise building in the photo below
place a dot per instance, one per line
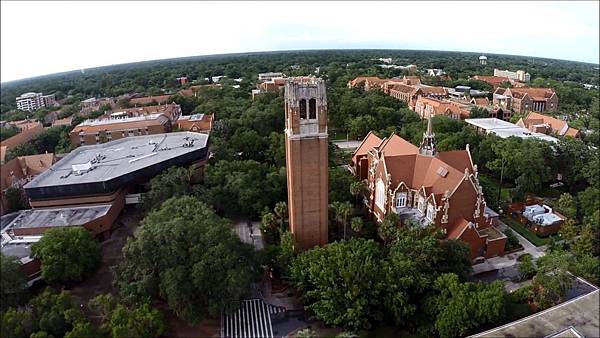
(34, 101)
(306, 147)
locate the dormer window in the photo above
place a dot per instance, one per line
(302, 104)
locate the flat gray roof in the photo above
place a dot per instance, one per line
(103, 162)
(506, 129)
(580, 313)
(72, 216)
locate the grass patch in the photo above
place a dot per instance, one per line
(531, 236)
(491, 186)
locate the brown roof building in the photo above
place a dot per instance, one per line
(494, 81)
(21, 170)
(524, 100)
(199, 123)
(367, 82)
(427, 107)
(424, 186)
(150, 100)
(545, 124)
(126, 122)
(24, 136)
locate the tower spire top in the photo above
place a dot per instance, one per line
(428, 144)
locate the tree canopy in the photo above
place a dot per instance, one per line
(186, 255)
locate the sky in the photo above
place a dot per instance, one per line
(39, 38)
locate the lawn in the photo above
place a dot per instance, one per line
(531, 236)
(493, 184)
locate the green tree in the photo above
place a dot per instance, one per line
(67, 254)
(287, 253)
(553, 279)
(13, 282)
(462, 307)
(16, 198)
(569, 230)
(526, 267)
(388, 229)
(17, 323)
(455, 257)
(174, 182)
(188, 256)
(121, 321)
(23, 149)
(342, 210)
(341, 282)
(55, 313)
(356, 188)
(356, 224)
(567, 205)
(83, 330)
(360, 126)
(306, 333)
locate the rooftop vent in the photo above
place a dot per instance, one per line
(78, 168)
(442, 171)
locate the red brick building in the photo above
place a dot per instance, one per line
(199, 123)
(424, 186)
(545, 124)
(524, 100)
(306, 150)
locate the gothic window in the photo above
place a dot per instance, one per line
(430, 212)
(312, 109)
(302, 109)
(421, 204)
(400, 199)
(380, 194)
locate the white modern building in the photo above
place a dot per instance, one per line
(483, 60)
(506, 129)
(269, 76)
(519, 75)
(33, 101)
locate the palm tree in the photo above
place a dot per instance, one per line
(356, 188)
(281, 210)
(342, 211)
(356, 224)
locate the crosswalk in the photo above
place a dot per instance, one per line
(252, 319)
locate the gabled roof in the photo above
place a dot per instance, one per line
(534, 93)
(458, 229)
(396, 145)
(558, 126)
(369, 142)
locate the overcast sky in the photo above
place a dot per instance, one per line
(40, 38)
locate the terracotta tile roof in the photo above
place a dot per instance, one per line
(493, 80)
(24, 166)
(24, 136)
(403, 88)
(558, 126)
(369, 142)
(458, 228)
(481, 101)
(572, 132)
(457, 159)
(126, 125)
(433, 90)
(159, 99)
(535, 93)
(396, 145)
(63, 122)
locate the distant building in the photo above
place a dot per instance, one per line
(125, 123)
(435, 72)
(367, 82)
(427, 107)
(94, 104)
(519, 75)
(63, 122)
(483, 60)
(20, 170)
(269, 76)
(545, 124)
(182, 80)
(505, 129)
(494, 81)
(524, 100)
(426, 187)
(198, 123)
(150, 100)
(33, 101)
(24, 136)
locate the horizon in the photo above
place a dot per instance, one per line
(282, 51)
(560, 30)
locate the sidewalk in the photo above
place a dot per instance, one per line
(509, 260)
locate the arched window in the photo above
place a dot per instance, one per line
(302, 109)
(380, 194)
(312, 109)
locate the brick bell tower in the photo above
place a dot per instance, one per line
(306, 152)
